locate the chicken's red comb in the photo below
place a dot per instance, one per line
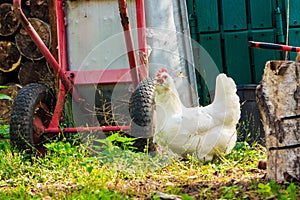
(161, 71)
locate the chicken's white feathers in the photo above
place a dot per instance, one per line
(200, 131)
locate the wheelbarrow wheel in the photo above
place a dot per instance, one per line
(141, 109)
(31, 114)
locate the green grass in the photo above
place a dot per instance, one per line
(69, 172)
(4, 131)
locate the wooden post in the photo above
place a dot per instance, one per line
(278, 98)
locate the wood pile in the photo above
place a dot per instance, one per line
(21, 62)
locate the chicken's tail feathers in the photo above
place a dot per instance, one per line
(227, 98)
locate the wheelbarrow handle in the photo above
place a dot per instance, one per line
(272, 46)
(17, 3)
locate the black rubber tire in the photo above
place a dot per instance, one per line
(32, 101)
(141, 109)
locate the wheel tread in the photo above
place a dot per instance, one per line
(22, 115)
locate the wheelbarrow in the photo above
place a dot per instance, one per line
(38, 110)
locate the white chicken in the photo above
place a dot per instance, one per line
(202, 132)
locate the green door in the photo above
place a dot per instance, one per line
(224, 27)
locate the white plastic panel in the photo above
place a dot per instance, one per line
(95, 36)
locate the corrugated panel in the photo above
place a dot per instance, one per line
(210, 64)
(237, 56)
(294, 38)
(261, 18)
(208, 18)
(234, 15)
(212, 44)
(238, 22)
(294, 17)
(261, 56)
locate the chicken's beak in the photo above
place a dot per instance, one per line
(155, 81)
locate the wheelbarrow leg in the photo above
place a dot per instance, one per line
(141, 25)
(129, 42)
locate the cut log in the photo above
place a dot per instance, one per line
(3, 78)
(278, 98)
(8, 77)
(39, 9)
(24, 43)
(9, 23)
(10, 57)
(35, 72)
(5, 105)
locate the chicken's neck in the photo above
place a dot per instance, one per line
(168, 101)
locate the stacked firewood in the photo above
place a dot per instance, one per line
(21, 62)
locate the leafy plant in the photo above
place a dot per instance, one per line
(292, 191)
(4, 131)
(5, 145)
(249, 130)
(61, 148)
(117, 151)
(3, 96)
(273, 189)
(264, 189)
(115, 140)
(230, 192)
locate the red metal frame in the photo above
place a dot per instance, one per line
(129, 42)
(141, 25)
(87, 129)
(102, 77)
(66, 77)
(63, 61)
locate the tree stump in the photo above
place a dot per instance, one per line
(3, 78)
(35, 72)
(24, 43)
(10, 57)
(278, 98)
(8, 77)
(9, 23)
(39, 9)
